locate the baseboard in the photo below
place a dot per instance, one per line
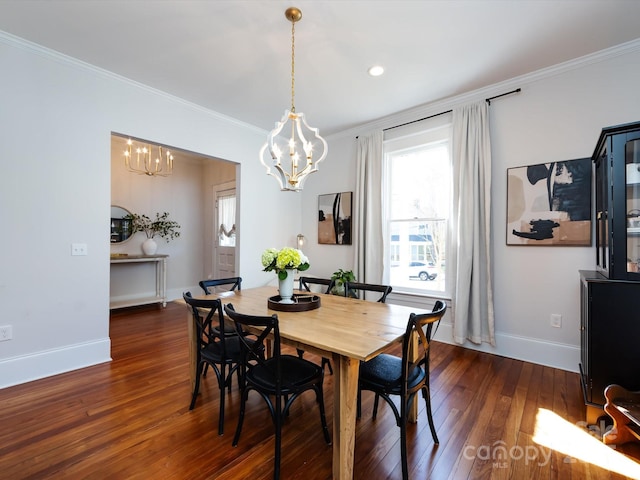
(23, 369)
(542, 352)
(550, 354)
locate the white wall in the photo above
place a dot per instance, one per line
(57, 116)
(557, 116)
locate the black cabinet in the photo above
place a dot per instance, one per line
(617, 196)
(610, 335)
(610, 295)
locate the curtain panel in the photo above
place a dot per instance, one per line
(368, 239)
(473, 311)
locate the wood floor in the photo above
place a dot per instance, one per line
(129, 419)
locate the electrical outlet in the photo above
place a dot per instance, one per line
(556, 320)
(6, 333)
(78, 249)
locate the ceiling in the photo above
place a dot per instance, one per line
(234, 56)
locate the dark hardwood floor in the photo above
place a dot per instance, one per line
(129, 419)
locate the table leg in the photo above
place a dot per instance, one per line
(344, 415)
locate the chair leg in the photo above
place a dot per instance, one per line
(403, 446)
(427, 399)
(222, 380)
(359, 403)
(300, 353)
(196, 388)
(323, 418)
(375, 406)
(327, 362)
(243, 402)
(278, 440)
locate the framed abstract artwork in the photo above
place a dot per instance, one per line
(550, 203)
(334, 218)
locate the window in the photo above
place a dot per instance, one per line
(226, 203)
(417, 204)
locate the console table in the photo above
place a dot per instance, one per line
(161, 279)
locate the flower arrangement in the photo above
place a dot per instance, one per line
(281, 260)
(161, 226)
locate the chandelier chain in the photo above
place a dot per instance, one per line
(293, 63)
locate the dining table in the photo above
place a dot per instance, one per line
(347, 330)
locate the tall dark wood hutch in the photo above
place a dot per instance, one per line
(610, 294)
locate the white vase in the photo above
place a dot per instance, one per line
(149, 246)
(286, 287)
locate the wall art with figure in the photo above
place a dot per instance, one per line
(549, 203)
(334, 218)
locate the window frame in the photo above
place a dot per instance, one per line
(416, 139)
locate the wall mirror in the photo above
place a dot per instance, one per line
(121, 226)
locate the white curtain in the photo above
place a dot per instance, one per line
(227, 219)
(368, 239)
(473, 294)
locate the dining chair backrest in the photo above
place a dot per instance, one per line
(209, 285)
(423, 326)
(358, 290)
(208, 318)
(253, 345)
(307, 282)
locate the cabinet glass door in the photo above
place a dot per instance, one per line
(632, 164)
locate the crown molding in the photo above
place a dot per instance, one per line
(442, 105)
(61, 58)
(423, 110)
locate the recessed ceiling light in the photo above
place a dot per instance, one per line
(376, 70)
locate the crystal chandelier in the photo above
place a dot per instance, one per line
(145, 163)
(292, 172)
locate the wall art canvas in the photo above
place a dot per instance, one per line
(550, 203)
(334, 218)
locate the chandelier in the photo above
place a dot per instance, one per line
(145, 163)
(292, 172)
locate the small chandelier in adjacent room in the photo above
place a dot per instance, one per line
(145, 163)
(299, 147)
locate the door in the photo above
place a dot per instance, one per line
(224, 255)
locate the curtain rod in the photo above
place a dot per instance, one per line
(488, 100)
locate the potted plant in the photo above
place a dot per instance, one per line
(341, 277)
(161, 227)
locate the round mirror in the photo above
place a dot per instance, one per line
(121, 226)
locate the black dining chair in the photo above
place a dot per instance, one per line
(231, 283)
(388, 375)
(221, 352)
(283, 377)
(306, 283)
(211, 285)
(358, 289)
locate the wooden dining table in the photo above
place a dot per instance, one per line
(347, 330)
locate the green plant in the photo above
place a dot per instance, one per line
(281, 260)
(161, 226)
(341, 277)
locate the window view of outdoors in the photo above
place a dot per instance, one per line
(418, 212)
